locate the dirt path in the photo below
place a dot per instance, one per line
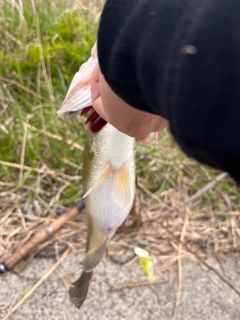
(203, 295)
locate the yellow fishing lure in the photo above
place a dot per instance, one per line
(146, 262)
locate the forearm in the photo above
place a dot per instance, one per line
(134, 43)
(144, 57)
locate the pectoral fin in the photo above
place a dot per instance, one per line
(121, 182)
(121, 191)
(106, 173)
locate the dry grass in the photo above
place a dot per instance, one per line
(213, 227)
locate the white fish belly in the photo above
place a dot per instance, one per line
(108, 148)
(106, 213)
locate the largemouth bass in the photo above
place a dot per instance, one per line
(108, 175)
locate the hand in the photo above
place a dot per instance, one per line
(110, 107)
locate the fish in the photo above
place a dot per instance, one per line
(108, 175)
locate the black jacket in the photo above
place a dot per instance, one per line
(179, 59)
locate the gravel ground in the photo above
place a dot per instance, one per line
(203, 296)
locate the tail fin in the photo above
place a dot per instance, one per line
(78, 291)
(79, 92)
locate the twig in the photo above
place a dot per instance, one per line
(195, 196)
(134, 285)
(15, 83)
(42, 60)
(38, 284)
(39, 238)
(41, 170)
(152, 195)
(23, 155)
(179, 289)
(204, 262)
(54, 136)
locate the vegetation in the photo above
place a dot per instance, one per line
(42, 45)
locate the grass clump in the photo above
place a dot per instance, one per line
(42, 45)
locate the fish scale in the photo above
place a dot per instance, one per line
(107, 213)
(108, 175)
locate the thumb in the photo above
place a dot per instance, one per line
(95, 92)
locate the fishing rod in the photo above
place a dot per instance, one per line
(47, 232)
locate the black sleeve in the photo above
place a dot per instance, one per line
(179, 59)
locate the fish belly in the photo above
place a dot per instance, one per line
(105, 212)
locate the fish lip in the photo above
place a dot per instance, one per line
(96, 123)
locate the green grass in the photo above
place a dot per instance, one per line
(42, 45)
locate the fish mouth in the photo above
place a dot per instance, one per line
(96, 123)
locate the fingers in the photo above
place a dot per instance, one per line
(125, 118)
(95, 92)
